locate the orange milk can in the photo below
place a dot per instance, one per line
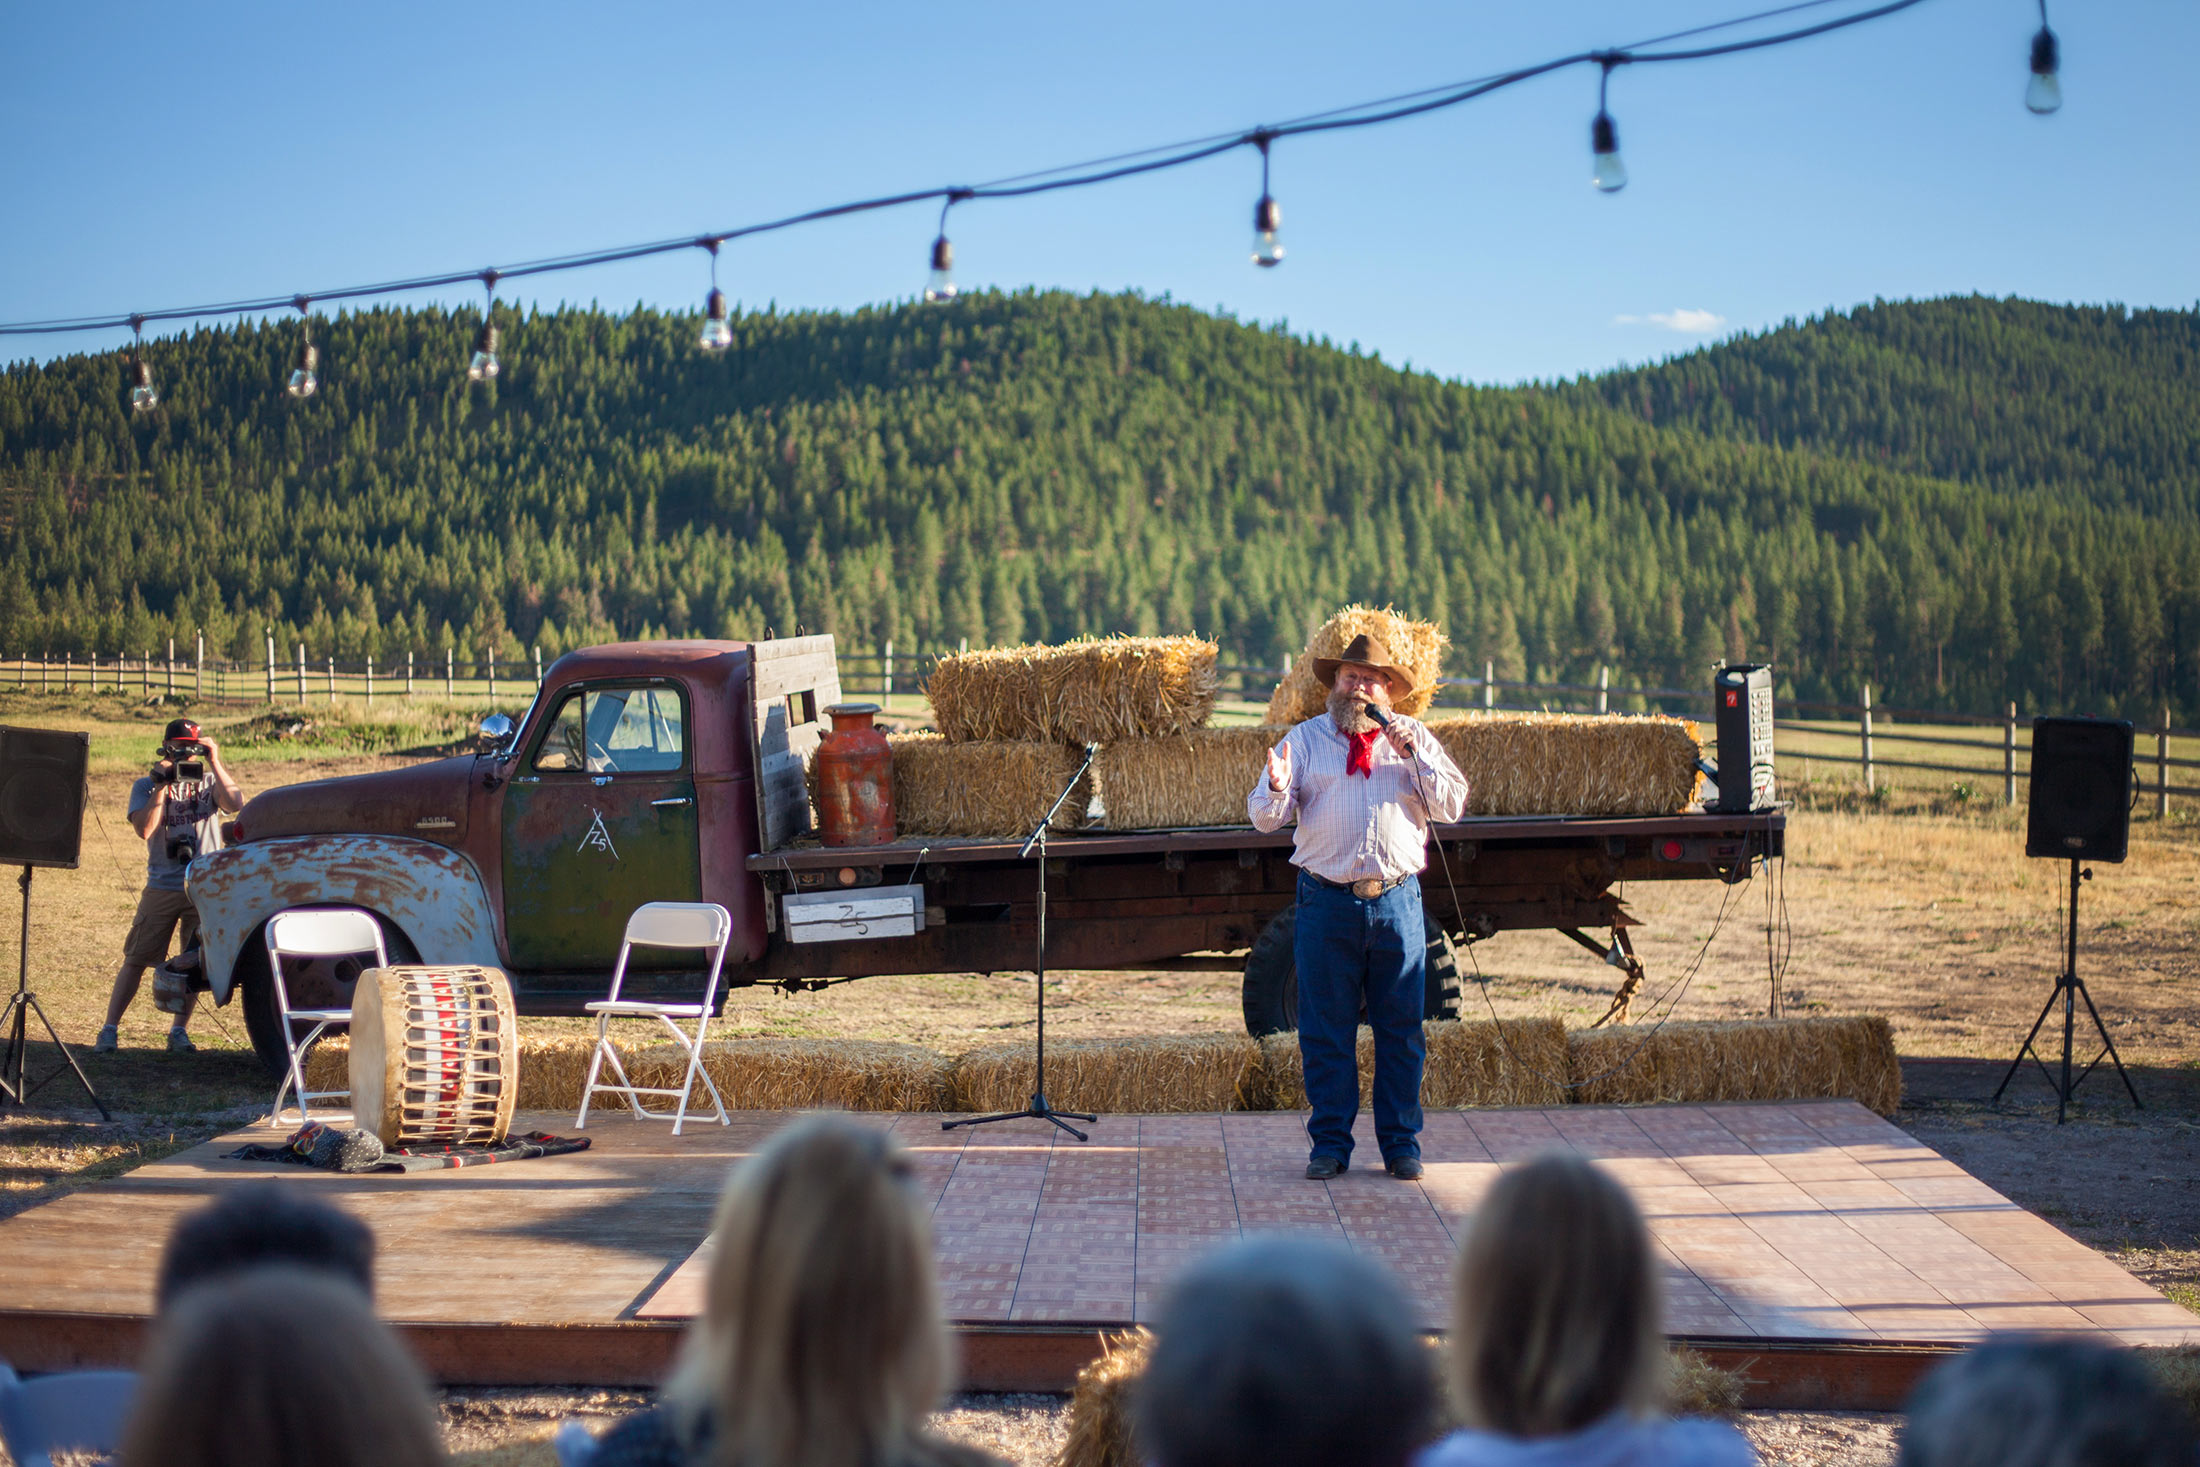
(855, 779)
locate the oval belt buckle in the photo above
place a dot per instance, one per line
(1368, 889)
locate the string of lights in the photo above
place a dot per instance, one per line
(2043, 94)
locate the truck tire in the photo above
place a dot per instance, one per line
(1271, 992)
(256, 991)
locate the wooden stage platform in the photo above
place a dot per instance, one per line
(1813, 1242)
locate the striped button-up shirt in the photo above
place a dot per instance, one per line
(1354, 826)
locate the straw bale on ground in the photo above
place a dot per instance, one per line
(552, 1068)
(1080, 693)
(992, 788)
(1469, 1065)
(1198, 778)
(1161, 1074)
(1099, 1432)
(1416, 646)
(1573, 764)
(805, 1074)
(1757, 1059)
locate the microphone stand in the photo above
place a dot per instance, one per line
(1040, 1109)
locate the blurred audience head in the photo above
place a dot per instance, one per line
(280, 1367)
(1283, 1352)
(2033, 1401)
(264, 1223)
(821, 1343)
(1555, 1310)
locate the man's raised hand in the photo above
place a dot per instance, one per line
(1279, 767)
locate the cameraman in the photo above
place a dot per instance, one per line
(176, 809)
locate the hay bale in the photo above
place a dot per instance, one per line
(1161, 1074)
(1573, 764)
(981, 789)
(1099, 1433)
(1418, 647)
(1080, 693)
(1757, 1059)
(1197, 778)
(552, 1069)
(806, 1074)
(1469, 1065)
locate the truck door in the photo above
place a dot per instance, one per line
(599, 818)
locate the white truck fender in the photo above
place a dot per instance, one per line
(431, 893)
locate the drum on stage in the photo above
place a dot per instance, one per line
(434, 1055)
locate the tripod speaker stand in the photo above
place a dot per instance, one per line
(1040, 1109)
(15, 1023)
(2069, 988)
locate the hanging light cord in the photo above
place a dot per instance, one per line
(1067, 176)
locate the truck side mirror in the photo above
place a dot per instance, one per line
(496, 734)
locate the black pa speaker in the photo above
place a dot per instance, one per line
(2080, 789)
(41, 796)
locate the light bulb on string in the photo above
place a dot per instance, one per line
(483, 367)
(304, 371)
(143, 396)
(717, 333)
(1267, 217)
(939, 286)
(1608, 173)
(2043, 94)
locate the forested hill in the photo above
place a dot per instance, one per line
(1042, 465)
(2012, 394)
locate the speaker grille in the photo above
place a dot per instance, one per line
(2080, 789)
(41, 796)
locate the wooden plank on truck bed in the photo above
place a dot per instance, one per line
(793, 680)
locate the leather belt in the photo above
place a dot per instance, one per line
(1367, 889)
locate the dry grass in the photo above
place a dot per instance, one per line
(1198, 778)
(1469, 1065)
(806, 1074)
(1765, 1059)
(552, 1068)
(1572, 764)
(1100, 1408)
(1080, 693)
(1158, 1075)
(1416, 646)
(993, 788)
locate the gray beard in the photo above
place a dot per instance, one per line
(1348, 713)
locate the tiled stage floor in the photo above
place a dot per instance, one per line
(1809, 1220)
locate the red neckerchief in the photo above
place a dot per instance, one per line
(1360, 757)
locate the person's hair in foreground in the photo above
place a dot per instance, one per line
(822, 1342)
(264, 1223)
(2039, 1402)
(1556, 1330)
(279, 1367)
(1278, 1352)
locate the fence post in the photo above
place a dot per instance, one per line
(408, 672)
(301, 674)
(492, 665)
(1604, 688)
(64, 672)
(2009, 757)
(1489, 685)
(171, 667)
(450, 656)
(271, 667)
(198, 669)
(2161, 767)
(538, 667)
(332, 679)
(1870, 781)
(886, 679)
(370, 679)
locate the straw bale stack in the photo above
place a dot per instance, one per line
(1162, 1074)
(994, 788)
(805, 1074)
(552, 1069)
(1197, 778)
(1757, 1059)
(1573, 764)
(1079, 693)
(1469, 1065)
(1099, 1433)
(1417, 646)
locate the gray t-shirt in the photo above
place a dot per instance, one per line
(190, 826)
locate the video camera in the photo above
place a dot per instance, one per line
(184, 754)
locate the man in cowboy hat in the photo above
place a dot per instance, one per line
(1363, 783)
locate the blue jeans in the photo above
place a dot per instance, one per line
(1348, 950)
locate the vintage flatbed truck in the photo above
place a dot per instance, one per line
(673, 771)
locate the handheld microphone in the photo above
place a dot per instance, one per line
(1380, 718)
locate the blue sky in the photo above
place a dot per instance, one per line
(162, 155)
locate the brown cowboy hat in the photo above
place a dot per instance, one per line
(1369, 652)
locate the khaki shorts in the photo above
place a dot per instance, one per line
(158, 915)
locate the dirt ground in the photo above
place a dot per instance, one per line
(1930, 916)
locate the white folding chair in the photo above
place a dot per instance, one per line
(661, 924)
(326, 932)
(75, 1411)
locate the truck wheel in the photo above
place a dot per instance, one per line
(1271, 992)
(322, 985)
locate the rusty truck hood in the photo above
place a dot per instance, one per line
(423, 801)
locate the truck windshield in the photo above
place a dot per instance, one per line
(615, 731)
